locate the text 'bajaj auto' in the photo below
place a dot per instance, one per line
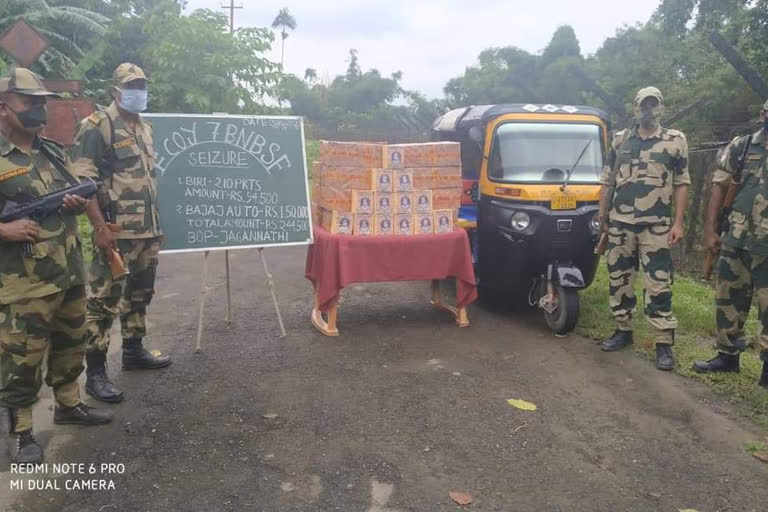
(531, 176)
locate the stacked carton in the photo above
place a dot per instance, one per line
(386, 189)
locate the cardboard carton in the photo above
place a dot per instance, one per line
(403, 224)
(353, 154)
(422, 201)
(429, 154)
(403, 179)
(342, 177)
(338, 223)
(404, 202)
(423, 224)
(448, 177)
(381, 180)
(383, 202)
(446, 198)
(383, 225)
(424, 178)
(443, 222)
(363, 225)
(362, 201)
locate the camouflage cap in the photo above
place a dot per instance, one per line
(127, 72)
(648, 92)
(24, 81)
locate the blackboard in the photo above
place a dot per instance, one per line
(227, 182)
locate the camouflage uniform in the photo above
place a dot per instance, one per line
(743, 265)
(42, 297)
(123, 158)
(639, 221)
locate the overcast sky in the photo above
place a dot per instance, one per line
(430, 41)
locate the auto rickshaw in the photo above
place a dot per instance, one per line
(530, 204)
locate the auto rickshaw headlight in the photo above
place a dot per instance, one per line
(594, 223)
(520, 221)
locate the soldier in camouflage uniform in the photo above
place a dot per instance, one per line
(650, 168)
(742, 269)
(42, 292)
(115, 146)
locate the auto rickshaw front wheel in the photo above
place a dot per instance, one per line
(563, 318)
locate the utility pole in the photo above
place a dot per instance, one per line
(232, 5)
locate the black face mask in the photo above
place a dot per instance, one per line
(765, 125)
(33, 117)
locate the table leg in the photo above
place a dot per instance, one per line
(327, 328)
(462, 320)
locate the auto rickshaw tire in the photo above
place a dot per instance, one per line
(563, 320)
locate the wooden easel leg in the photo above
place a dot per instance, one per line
(203, 291)
(327, 328)
(462, 319)
(228, 318)
(271, 284)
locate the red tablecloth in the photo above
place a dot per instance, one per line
(335, 261)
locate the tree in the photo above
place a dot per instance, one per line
(359, 104)
(353, 70)
(196, 65)
(310, 75)
(512, 75)
(284, 21)
(562, 44)
(69, 29)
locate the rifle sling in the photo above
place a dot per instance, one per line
(58, 165)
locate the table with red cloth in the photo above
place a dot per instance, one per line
(335, 261)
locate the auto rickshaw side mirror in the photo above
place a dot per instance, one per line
(475, 193)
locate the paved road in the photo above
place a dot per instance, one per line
(394, 414)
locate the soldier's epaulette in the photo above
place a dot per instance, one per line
(674, 134)
(97, 117)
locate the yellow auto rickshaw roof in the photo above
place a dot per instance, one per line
(462, 119)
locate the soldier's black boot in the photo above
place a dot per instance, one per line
(97, 384)
(721, 363)
(618, 341)
(136, 357)
(22, 446)
(665, 359)
(81, 414)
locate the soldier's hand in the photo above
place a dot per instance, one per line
(713, 241)
(675, 234)
(22, 230)
(104, 239)
(73, 204)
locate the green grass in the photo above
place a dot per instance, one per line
(756, 447)
(313, 148)
(693, 305)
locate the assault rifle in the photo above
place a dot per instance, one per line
(41, 207)
(722, 225)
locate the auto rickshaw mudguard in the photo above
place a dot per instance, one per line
(568, 277)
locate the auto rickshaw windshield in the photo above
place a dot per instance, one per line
(544, 152)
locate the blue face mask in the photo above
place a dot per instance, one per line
(133, 100)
